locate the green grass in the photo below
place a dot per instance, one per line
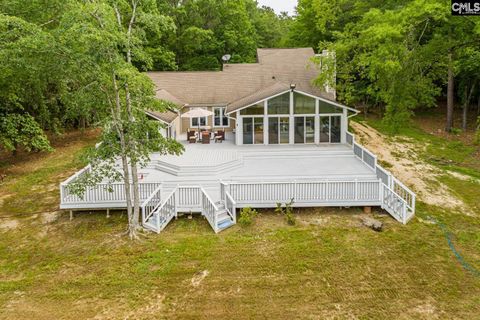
(328, 266)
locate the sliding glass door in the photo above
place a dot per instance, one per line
(252, 130)
(278, 130)
(330, 129)
(304, 129)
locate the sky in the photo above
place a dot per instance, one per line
(280, 5)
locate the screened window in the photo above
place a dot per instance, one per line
(303, 104)
(328, 108)
(280, 104)
(253, 110)
(219, 118)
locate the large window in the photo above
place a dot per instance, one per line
(330, 129)
(254, 110)
(303, 104)
(220, 119)
(194, 122)
(252, 130)
(280, 104)
(325, 107)
(304, 129)
(278, 130)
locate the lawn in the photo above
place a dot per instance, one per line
(327, 266)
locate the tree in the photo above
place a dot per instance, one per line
(112, 35)
(26, 98)
(398, 56)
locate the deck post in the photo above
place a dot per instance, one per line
(71, 215)
(108, 213)
(356, 190)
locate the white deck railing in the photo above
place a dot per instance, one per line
(151, 204)
(104, 193)
(209, 210)
(189, 198)
(345, 193)
(162, 214)
(231, 206)
(400, 191)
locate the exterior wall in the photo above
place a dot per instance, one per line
(185, 123)
(317, 115)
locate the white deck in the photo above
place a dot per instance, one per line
(217, 178)
(208, 164)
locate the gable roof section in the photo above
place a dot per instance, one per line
(274, 89)
(163, 94)
(238, 81)
(167, 117)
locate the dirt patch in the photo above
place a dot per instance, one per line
(198, 278)
(50, 217)
(10, 224)
(408, 167)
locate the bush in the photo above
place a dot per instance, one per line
(246, 216)
(287, 210)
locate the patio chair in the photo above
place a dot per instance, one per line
(219, 136)
(205, 137)
(191, 136)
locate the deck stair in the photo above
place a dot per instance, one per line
(196, 170)
(224, 220)
(157, 214)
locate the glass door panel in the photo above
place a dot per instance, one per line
(309, 129)
(258, 129)
(324, 129)
(299, 130)
(273, 131)
(284, 130)
(247, 130)
(335, 129)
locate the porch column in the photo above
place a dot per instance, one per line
(317, 121)
(265, 122)
(343, 136)
(239, 130)
(291, 130)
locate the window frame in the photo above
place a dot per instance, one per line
(222, 117)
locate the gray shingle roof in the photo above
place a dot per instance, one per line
(241, 83)
(167, 116)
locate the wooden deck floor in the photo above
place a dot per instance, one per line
(206, 165)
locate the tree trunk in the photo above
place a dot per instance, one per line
(478, 106)
(468, 98)
(82, 123)
(465, 111)
(450, 95)
(132, 226)
(131, 118)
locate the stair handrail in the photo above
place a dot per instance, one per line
(404, 203)
(210, 203)
(410, 203)
(232, 213)
(159, 208)
(145, 204)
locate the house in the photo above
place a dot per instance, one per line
(284, 139)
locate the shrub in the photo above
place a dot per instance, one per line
(246, 216)
(287, 210)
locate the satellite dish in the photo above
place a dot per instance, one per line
(226, 58)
